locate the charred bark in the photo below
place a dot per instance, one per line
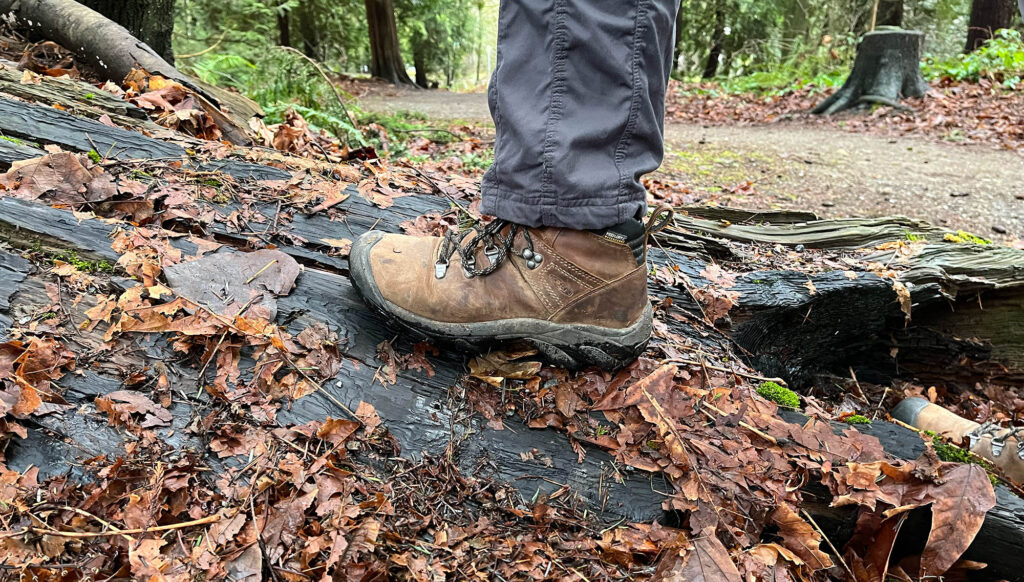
(385, 52)
(988, 16)
(151, 21)
(887, 70)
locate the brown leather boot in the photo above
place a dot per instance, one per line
(580, 297)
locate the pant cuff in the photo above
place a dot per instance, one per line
(575, 217)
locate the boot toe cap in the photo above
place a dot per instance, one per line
(361, 268)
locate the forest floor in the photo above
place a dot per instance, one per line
(829, 170)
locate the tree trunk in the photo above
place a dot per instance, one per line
(151, 21)
(680, 23)
(717, 38)
(887, 69)
(310, 32)
(419, 61)
(386, 54)
(284, 34)
(794, 33)
(890, 13)
(987, 16)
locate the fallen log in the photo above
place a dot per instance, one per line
(959, 318)
(114, 53)
(76, 97)
(417, 409)
(49, 125)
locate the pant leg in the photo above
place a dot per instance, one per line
(578, 101)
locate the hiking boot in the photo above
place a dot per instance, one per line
(1004, 447)
(579, 296)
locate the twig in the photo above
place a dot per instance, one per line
(742, 423)
(341, 102)
(434, 185)
(779, 381)
(260, 272)
(202, 371)
(828, 541)
(206, 50)
(121, 532)
(319, 388)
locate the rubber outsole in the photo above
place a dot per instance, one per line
(571, 346)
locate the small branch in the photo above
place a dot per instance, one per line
(114, 532)
(341, 102)
(204, 51)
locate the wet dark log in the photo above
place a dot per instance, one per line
(13, 149)
(420, 410)
(114, 53)
(416, 409)
(966, 322)
(49, 125)
(78, 98)
(887, 70)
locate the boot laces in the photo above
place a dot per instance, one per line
(497, 248)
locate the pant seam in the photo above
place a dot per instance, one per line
(639, 29)
(556, 105)
(498, 59)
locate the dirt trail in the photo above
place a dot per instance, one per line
(831, 172)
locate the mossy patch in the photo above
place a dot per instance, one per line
(857, 419)
(779, 394)
(84, 265)
(962, 236)
(951, 453)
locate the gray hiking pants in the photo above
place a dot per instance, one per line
(578, 101)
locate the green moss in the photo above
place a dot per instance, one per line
(779, 394)
(953, 454)
(857, 419)
(914, 237)
(95, 156)
(962, 236)
(17, 141)
(89, 96)
(84, 265)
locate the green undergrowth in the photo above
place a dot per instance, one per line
(779, 394)
(1001, 59)
(857, 419)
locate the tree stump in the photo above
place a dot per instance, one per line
(887, 70)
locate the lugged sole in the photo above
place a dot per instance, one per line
(571, 346)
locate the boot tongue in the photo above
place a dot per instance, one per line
(631, 233)
(627, 232)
